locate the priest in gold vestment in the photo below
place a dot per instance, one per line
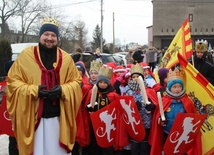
(43, 96)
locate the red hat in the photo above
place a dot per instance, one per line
(144, 65)
(119, 69)
(111, 64)
(128, 67)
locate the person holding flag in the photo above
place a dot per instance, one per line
(104, 96)
(145, 110)
(176, 101)
(83, 126)
(201, 63)
(201, 92)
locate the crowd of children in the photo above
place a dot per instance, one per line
(114, 81)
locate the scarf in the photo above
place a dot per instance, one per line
(176, 96)
(133, 85)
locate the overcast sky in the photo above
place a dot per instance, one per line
(131, 17)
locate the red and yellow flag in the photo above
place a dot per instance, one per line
(181, 43)
(202, 94)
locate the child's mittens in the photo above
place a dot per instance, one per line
(150, 107)
(121, 77)
(162, 122)
(90, 109)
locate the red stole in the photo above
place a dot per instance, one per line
(47, 78)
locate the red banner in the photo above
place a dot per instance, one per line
(183, 133)
(113, 123)
(6, 125)
(131, 118)
(104, 124)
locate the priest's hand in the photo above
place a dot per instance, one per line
(55, 92)
(42, 92)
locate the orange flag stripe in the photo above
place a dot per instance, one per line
(188, 40)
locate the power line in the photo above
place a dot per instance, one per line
(77, 3)
(180, 1)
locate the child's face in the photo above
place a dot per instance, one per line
(145, 72)
(199, 54)
(80, 72)
(102, 84)
(119, 73)
(135, 77)
(93, 75)
(176, 88)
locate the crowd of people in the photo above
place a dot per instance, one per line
(49, 97)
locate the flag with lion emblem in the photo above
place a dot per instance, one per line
(183, 133)
(113, 123)
(181, 43)
(202, 94)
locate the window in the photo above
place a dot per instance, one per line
(190, 17)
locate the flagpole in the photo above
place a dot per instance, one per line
(193, 61)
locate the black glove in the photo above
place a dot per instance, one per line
(161, 122)
(90, 109)
(139, 105)
(55, 92)
(150, 107)
(42, 92)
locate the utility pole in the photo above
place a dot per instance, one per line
(101, 39)
(113, 35)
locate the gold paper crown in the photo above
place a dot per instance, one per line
(175, 74)
(139, 46)
(106, 71)
(51, 20)
(201, 45)
(136, 68)
(95, 65)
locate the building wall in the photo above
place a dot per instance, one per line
(168, 16)
(150, 36)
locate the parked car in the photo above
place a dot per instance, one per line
(87, 57)
(123, 57)
(17, 48)
(119, 60)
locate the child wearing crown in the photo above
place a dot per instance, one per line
(176, 101)
(203, 62)
(83, 134)
(145, 110)
(104, 96)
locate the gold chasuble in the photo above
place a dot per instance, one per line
(24, 105)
